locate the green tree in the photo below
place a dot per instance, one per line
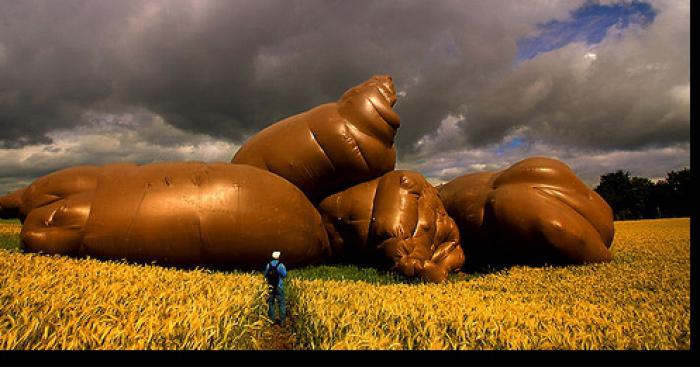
(637, 197)
(678, 197)
(641, 201)
(614, 188)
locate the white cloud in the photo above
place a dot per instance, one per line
(615, 100)
(682, 94)
(447, 134)
(588, 165)
(138, 137)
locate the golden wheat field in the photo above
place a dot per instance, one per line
(641, 300)
(58, 303)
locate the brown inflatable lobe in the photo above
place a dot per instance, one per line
(536, 211)
(396, 220)
(184, 213)
(333, 146)
(54, 209)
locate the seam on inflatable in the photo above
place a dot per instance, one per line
(205, 171)
(318, 143)
(417, 225)
(55, 199)
(81, 248)
(354, 141)
(370, 227)
(136, 212)
(544, 192)
(382, 116)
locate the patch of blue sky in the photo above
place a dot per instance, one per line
(510, 145)
(589, 24)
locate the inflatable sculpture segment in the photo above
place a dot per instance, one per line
(536, 211)
(333, 146)
(184, 213)
(397, 218)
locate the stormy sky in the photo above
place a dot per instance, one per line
(601, 85)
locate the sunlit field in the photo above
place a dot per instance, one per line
(48, 303)
(641, 300)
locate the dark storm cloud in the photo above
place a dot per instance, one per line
(229, 68)
(55, 61)
(98, 81)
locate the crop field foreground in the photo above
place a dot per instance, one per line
(640, 300)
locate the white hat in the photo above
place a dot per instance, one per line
(276, 255)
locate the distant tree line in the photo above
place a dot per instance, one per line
(639, 198)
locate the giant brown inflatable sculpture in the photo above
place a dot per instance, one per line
(333, 146)
(339, 156)
(397, 218)
(184, 213)
(536, 211)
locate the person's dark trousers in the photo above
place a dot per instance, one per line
(278, 296)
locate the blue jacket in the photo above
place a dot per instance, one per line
(280, 269)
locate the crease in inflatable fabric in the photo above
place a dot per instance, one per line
(127, 235)
(418, 212)
(54, 199)
(81, 245)
(561, 198)
(368, 133)
(381, 114)
(546, 191)
(580, 215)
(323, 151)
(350, 129)
(201, 243)
(371, 235)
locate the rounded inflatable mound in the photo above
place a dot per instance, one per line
(536, 211)
(333, 146)
(184, 213)
(396, 220)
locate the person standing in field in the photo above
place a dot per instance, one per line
(274, 273)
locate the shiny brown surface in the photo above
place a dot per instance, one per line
(333, 146)
(183, 213)
(396, 220)
(536, 211)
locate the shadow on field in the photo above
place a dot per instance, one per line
(347, 273)
(9, 242)
(370, 274)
